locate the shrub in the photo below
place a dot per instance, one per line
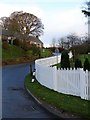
(24, 45)
(5, 45)
(78, 63)
(16, 42)
(86, 65)
(29, 52)
(65, 63)
(35, 50)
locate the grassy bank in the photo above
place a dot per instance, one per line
(17, 55)
(45, 53)
(60, 101)
(12, 52)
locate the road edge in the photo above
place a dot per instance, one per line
(60, 114)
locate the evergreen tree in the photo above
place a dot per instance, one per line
(65, 63)
(78, 63)
(86, 65)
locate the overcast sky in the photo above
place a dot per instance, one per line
(60, 17)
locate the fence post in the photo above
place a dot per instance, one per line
(55, 78)
(89, 85)
(36, 69)
(82, 83)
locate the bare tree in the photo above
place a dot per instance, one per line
(23, 24)
(73, 40)
(61, 42)
(53, 44)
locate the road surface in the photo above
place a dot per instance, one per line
(16, 103)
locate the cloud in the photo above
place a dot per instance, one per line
(58, 1)
(7, 9)
(63, 22)
(67, 20)
(57, 22)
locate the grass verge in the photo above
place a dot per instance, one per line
(68, 103)
(83, 57)
(45, 53)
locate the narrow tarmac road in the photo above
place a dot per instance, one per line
(16, 103)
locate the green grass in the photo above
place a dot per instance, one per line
(68, 103)
(12, 52)
(58, 65)
(45, 53)
(82, 57)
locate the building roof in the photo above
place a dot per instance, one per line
(31, 38)
(35, 39)
(5, 32)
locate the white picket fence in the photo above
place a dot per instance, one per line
(72, 82)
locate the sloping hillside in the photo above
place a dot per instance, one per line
(12, 52)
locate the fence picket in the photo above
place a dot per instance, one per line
(73, 82)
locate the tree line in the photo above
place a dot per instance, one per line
(65, 62)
